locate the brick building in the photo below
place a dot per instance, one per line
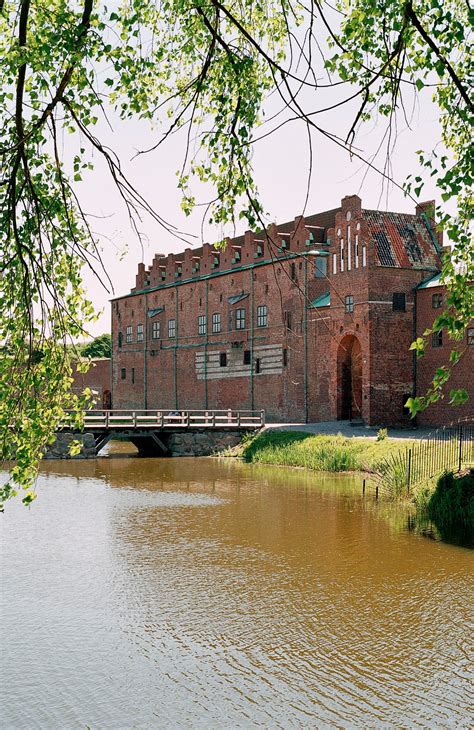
(310, 321)
(97, 378)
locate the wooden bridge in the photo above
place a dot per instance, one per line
(152, 431)
(104, 420)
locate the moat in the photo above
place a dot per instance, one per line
(211, 593)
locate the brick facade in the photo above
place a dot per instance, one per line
(300, 320)
(98, 379)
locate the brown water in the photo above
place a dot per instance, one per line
(140, 593)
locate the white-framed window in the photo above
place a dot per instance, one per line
(216, 322)
(202, 324)
(349, 303)
(334, 263)
(171, 328)
(240, 319)
(128, 333)
(470, 335)
(321, 267)
(156, 330)
(262, 315)
(139, 333)
(349, 249)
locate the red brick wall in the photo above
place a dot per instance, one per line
(98, 378)
(462, 375)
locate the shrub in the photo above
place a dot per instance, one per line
(382, 434)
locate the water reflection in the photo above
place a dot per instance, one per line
(203, 593)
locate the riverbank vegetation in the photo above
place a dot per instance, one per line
(319, 452)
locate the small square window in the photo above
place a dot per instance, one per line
(171, 328)
(349, 303)
(399, 303)
(139, 333)
(262, 316)
(123, 373)
(156, 330)
(437, 339)
(437, 301)
(202, 324)
(240, 319)
(216, 322)
(246, 357)
(470, 335)
(128, 333)
(223, 359)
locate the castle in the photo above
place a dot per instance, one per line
(310, 320)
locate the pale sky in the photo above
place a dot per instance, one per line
(281, 164)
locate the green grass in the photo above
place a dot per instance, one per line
(319, 453)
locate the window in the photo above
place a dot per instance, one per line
(246, 357)
(437, 301)
(364, 255)
(240, 319)
(156, 330)
(288, 320)
(349, 303)
(285, 357)
(258, 367)
(334, 263)
(437, 339)
(356, 251)
(128, 333)
(470, 335)
(139, 333)
(399, 303)
(342, 254)
(120, 339)
(349, 249)
(171, 328)
(202, 324)
(293, 272)
(123, 373)
(223, 359)
(216, 322)
(262, 315)
(133, 376)
(321, 267)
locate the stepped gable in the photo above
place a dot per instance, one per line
(403, 240)
(240, 251)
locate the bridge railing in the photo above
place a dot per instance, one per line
(172, 419)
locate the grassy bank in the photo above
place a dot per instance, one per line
(448, 502)
(319, 453)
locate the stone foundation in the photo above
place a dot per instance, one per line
(60, 448)
(201, 443)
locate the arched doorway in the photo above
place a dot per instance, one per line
(349, 378)
(106, 400)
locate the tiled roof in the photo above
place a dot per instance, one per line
(403, 240)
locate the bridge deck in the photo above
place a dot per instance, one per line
(117, 420)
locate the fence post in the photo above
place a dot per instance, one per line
(409, 471)
(460, 449)
(106, 419)
(134, 419)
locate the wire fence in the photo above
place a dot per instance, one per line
(448, 449)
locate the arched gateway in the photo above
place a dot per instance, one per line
(349, 378)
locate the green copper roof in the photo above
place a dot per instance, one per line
(323, 301)
(432, 281)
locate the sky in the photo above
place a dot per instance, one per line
(281, 163)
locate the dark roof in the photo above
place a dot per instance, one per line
(403, 240)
